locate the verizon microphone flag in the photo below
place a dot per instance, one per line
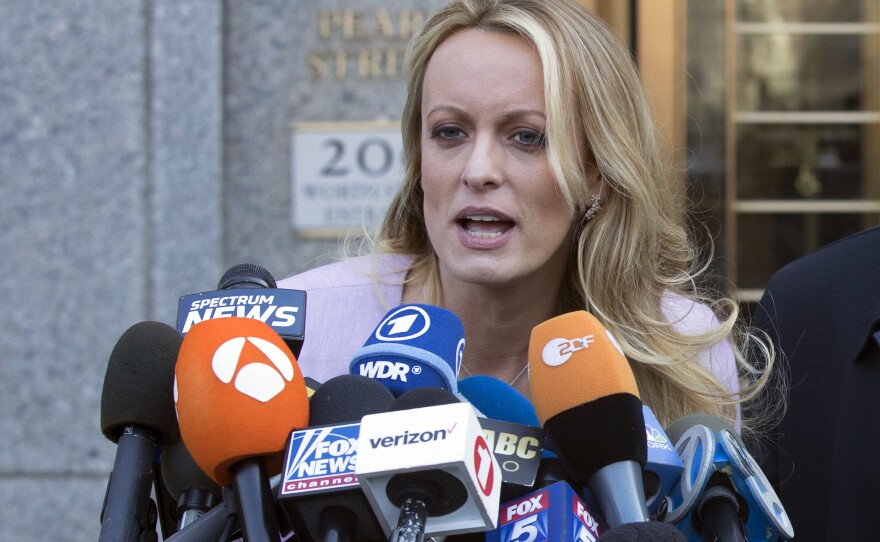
(445, 437)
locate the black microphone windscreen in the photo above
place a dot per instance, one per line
(139, 383)
(423, 397)
(348, 398)
(614, 420)
(246, 275)
(649, 531)
(180, 471)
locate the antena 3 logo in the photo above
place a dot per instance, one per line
(404, 324)
(258, 380)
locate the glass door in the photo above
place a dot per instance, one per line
(783, 118)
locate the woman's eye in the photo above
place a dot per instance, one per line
(446, 132)
(529, 138)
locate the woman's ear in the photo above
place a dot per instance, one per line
(596, 183)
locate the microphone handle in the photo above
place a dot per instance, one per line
(336, 524)
(211, 525)
(719, 513)
(126, 503)
(255, 503)
(192, 504)
(619, 490)
(411, 523)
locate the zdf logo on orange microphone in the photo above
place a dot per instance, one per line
(558, 351)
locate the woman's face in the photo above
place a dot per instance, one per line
(493, 211)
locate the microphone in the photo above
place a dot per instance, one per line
(554, 513)
(194, 492)
(282, 309)
(319, 490)
(586, 396)
(501, 401)
(239, 393)
(137, 413)
(428, 470)
(498, 400)
(413, 346)
(723, 494)
(511, 428)
(664, 466)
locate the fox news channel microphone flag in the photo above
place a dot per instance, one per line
(319, 491)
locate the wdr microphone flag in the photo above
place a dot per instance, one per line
(414, 346)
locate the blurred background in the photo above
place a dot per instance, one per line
(148, 145)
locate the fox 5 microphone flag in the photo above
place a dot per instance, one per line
(414, 346)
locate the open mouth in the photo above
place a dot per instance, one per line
(485, 226)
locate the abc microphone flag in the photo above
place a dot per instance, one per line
(238, 393)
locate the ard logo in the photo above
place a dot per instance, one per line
(404, 324)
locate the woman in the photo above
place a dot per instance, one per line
(534, 187)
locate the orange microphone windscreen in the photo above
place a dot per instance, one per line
(238, 393)
(586, 396)
(574, 360)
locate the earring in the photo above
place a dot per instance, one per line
(595, 201)
(594, 208)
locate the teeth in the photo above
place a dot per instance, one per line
(483, 235)
(483, 218)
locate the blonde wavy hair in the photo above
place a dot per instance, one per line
(637, 249)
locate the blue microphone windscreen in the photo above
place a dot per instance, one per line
(414, 346)
(498, 400)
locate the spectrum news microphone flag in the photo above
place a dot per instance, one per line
(239, 393)
(588, 402)
(247, 290)
(414, 346)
